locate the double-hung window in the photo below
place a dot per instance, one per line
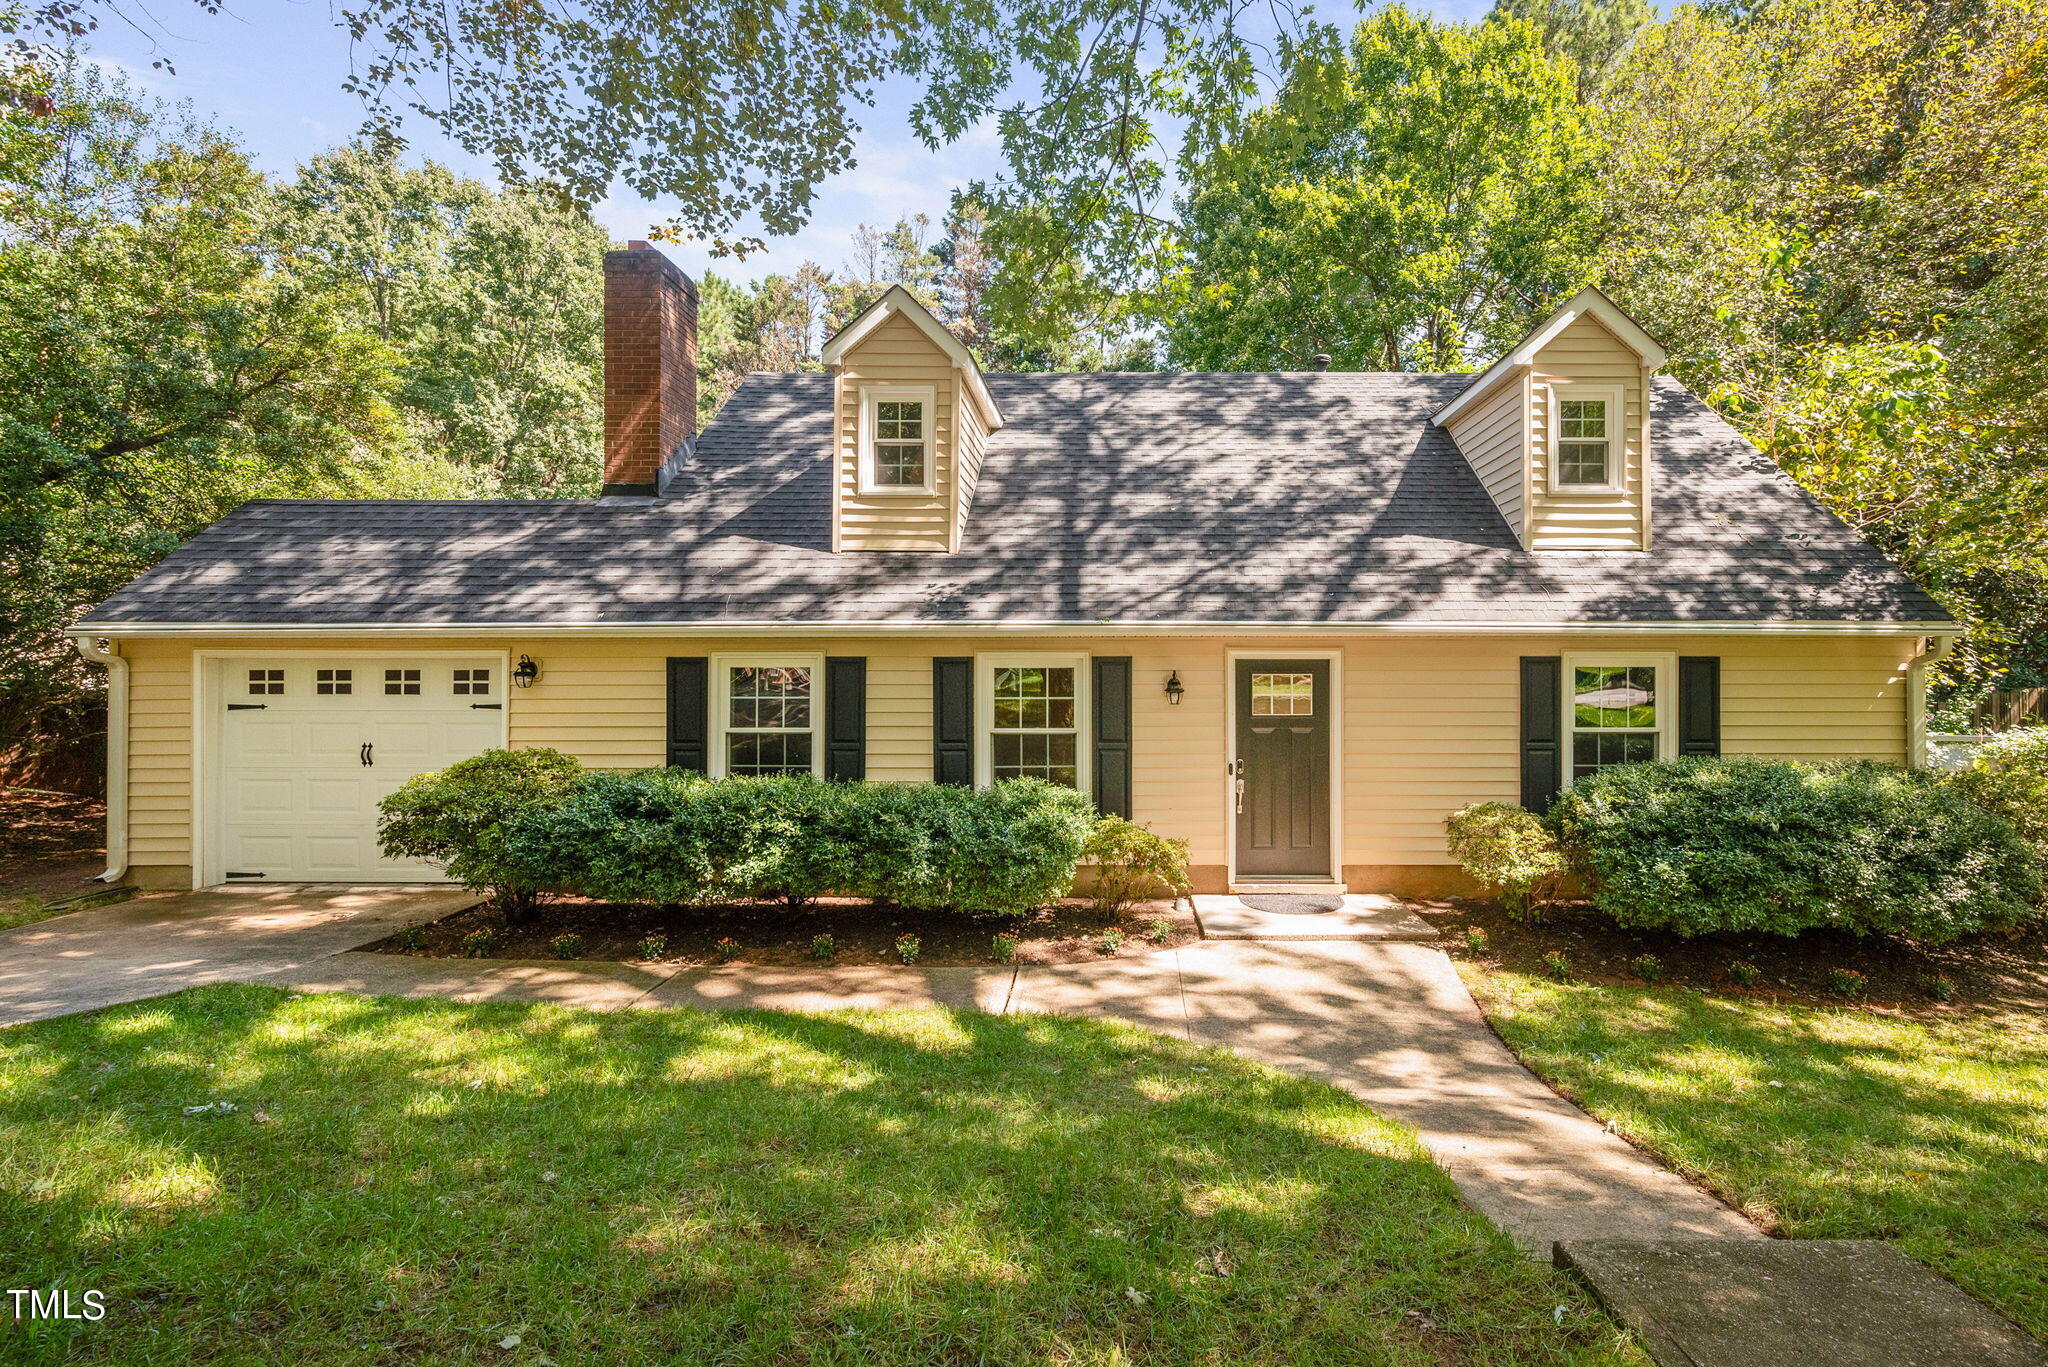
(766, 711)
(1586, 439)
(1033, 714)
(896, 454)
(1618, 710)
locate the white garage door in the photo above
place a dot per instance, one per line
(308, 747)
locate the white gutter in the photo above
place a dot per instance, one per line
(1918, 753)
(102, 651)
(756, 626)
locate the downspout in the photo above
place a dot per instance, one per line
(101, 651)
(1934, 650)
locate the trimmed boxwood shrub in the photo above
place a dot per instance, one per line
(1509, 852)
(457, 817)
(1133, 862)
(668, 837)
(1702, 845)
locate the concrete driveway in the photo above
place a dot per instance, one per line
(164, 942)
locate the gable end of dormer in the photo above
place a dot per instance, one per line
(911, 421)
(1559, 433)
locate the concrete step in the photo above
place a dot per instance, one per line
(1363, 916)
(1793, 1303)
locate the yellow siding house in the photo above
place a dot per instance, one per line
(1293, 618)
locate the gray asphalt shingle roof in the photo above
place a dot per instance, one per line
(1108, 498)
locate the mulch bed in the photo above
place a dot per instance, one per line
(35, 824)
(52, 845)
(771, 933)
(2007, 971)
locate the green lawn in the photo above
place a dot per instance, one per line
(1833, 1123)
(426, 1181)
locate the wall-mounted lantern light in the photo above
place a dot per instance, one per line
(525, 672)
(1174, 688)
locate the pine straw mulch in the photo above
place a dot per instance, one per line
(772, 933)
(2004, 970)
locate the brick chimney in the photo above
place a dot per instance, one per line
(650, 367)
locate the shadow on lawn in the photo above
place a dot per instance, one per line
(429, 1180)
(1834, 1123)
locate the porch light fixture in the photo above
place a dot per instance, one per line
(1174, 688)
(525, 672)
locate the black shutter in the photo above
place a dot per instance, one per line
(1112, 718)
(1542, 721)
(953, 720)
(1699, 704)
(689, 713)
(846, 717)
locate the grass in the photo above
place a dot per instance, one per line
(435, 1182)
(1828, 1123)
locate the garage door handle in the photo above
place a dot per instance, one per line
(364, 755)
(247, 706)
(486, 706)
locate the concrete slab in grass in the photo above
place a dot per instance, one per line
(753, 987)
(593, 986)
(1794, 1303)
(1361, 917)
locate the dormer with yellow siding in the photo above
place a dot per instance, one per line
(912, 418)
(1559, 430)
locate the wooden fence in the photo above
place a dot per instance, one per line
(2005, 710)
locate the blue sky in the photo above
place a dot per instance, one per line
(272, 70)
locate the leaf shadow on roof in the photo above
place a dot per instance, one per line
(1118, 497)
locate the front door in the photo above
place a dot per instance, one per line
(1282, 788)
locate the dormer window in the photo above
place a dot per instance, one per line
(896, 440)
(1587, 440)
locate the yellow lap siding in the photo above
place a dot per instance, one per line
(1429, 723)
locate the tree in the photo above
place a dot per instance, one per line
(1591, 34)
(1830, 211)
(735, 113)
(967, 269)
(159, 369)
(1410, 199)
(494, 300)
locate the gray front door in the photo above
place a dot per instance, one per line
(1283, 769)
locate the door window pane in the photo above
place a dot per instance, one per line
(472, 682)
(333, 682)
(1283, 695)
(266, 682)
(402, 682)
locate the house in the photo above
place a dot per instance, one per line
(1293, 618)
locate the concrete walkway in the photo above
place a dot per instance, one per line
(1388, 1022)
(166, 942)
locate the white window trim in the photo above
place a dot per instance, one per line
(985, 667)
(721, 701)
(1667, 699)
(871, 395)
(1617, 438)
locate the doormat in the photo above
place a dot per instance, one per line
(1293, 903)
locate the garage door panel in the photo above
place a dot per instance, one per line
(295, 800)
